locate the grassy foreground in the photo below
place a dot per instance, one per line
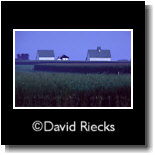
(72, 90)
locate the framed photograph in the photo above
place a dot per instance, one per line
(75, 74)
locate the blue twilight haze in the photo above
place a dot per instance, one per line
(74, 44)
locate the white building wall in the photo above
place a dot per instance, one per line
(100, 59)
(46, 58)
(65, 59)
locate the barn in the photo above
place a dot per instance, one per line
(45, 55)
(63, 57)
(98, 55)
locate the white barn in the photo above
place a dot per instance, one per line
(63, 57)
(98, 55)
(45, 55)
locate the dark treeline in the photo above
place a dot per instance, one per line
(33, 62)
(23, 56)
(87, 68)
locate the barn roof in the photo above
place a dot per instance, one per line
(99, 53)
(46, 53)
(64, 56)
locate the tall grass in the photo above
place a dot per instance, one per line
(73, 90)
(24, 68)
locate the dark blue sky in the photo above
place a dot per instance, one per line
(74, 44)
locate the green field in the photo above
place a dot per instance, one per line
(24, 68)
(72, 90)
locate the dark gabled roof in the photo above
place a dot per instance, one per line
(46, 53)
(101, 54)
(64, 56)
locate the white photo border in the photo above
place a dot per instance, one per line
(14, 30)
